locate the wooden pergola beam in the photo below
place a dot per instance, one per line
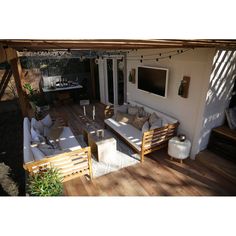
(4, 82)
(18, 77)
(115, 44)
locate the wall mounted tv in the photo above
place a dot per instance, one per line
(153, 80)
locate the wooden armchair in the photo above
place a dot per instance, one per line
(70, 164)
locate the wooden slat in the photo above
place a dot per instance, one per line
(157, 138)
(68, 163)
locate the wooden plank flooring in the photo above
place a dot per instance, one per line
(208, 175)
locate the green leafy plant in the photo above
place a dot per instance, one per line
(46, 182)
(34, 96)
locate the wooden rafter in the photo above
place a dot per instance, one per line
(116, 44)
(18, 76)
(4, 82)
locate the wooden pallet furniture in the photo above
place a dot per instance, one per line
(157, 138)
(70, 164)
(152, 140)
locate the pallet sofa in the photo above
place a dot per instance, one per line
(72, 160)
(142, 142)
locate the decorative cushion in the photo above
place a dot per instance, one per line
(122, 108)
(47, 121)
(145, 127)
(37, 125)
(55, 131)
(231, 117)
(38, 155)
(123, 117)
(153, 118)
(36, 136)
(46, 131)
(164, 122)
(132, 110)
(143, 113)
(46, 149)
(156, 124)
(139, 122)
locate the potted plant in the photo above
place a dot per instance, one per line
(36, 100)
(45, 182)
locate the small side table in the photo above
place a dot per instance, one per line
(179, 150)
(103, 148)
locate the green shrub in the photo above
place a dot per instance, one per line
(46, 182)
(34, 96)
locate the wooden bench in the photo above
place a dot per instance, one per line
(70, 164)
(152, 140)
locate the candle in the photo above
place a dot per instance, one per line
(84, 111)
(93, 112)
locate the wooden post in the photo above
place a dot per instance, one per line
(4, 82)
(90, 163)
(18, 75)
(92, 91)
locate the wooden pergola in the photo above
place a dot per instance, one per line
(9, 49)
(115, 44)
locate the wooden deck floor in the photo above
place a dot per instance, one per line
(208, 175)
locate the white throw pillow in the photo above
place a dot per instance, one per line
(37, 125)
(36, 136)
(38, 155)
(145, 127)
(47, 121)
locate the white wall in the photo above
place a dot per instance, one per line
(195, 63)
(218, 95)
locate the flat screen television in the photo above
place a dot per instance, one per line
(153, 80)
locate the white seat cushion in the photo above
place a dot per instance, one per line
(127, 131)
(28, 155)
(68, 141)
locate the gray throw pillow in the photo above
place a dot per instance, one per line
(46, 149)
(38, 155)
(139, 122)
(164, 122)
(132, 110)
(122, 108)
(143, 113)
(153, 118)
(156, 124)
